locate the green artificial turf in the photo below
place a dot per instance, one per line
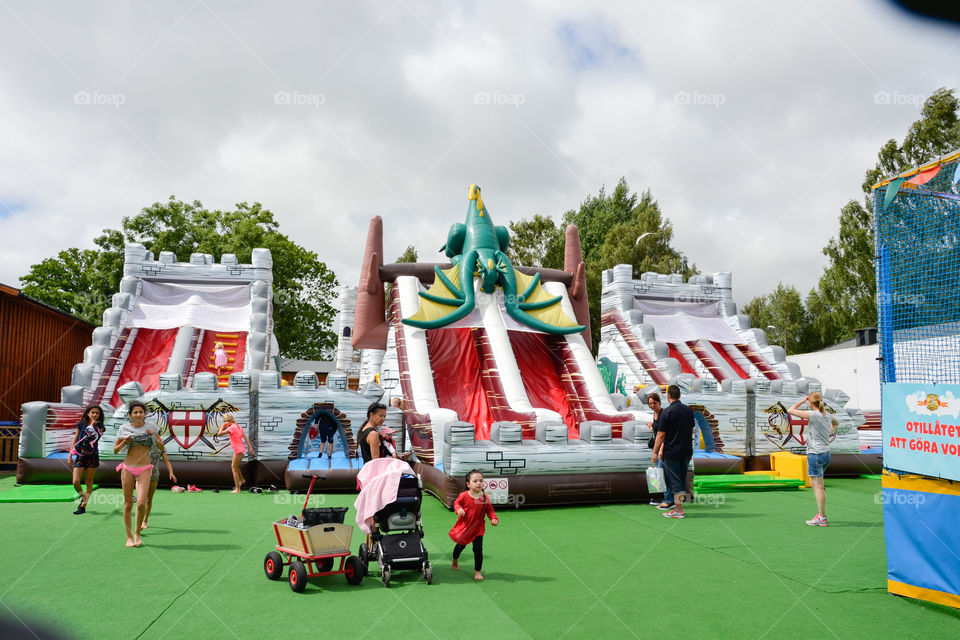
(41, 493)
(741, 565)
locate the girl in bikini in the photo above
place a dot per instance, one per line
(135, 469)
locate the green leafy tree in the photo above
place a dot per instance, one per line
(784, 311)
(304, 287)
(609, 225)
(409, 255)
(77, 281)
(537, 242)
(845, 297)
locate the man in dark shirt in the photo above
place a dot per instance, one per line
(675, 435)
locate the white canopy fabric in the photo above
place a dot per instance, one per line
(168, 305)
(679, 322)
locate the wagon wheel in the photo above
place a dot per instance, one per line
(324, 565)
(354, 570)
(273, 565)
(364, 553)
(298, 576)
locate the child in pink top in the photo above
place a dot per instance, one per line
(471, 506)
(237, 440)
(220, 359)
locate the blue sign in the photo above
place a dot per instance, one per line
(921, 429)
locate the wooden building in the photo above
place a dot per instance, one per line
(38, 347)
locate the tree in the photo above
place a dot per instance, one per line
(77, 281)
(409, 255)
(303, 285)
(537, 242)
(783, 309)
(609, 226)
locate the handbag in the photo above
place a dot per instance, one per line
(655, 482)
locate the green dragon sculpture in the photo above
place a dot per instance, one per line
(478, 249)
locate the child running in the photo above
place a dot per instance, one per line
(85, 453)
(237, 440)
(471, 506)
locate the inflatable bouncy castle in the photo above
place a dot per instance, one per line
(658, 329)
(495, 370)
(158, 343)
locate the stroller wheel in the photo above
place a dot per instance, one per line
(363, 553)
(428, 572)
(386, 576)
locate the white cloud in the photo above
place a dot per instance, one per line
(751, 123)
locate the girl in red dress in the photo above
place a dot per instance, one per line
(471, 506)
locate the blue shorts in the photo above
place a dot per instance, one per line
(817, 463)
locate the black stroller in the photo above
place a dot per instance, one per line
(397, 538)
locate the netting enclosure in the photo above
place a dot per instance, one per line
(917, 233)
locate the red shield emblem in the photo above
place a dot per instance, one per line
(187, 427)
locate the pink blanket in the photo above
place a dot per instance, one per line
(378, 480)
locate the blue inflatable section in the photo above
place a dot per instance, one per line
(922, 539)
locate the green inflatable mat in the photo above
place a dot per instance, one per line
(736, 482)
(40, 493)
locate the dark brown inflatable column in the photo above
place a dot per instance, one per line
(573, 263)
(370, 321)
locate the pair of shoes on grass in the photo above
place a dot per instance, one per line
(674, 514)
(817, 521)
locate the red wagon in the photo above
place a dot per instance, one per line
(313, 552)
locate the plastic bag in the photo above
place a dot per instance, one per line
(655, 482)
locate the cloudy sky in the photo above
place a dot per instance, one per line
(752, 123)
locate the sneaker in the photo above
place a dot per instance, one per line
(665, 506)
(674, 514)
(177, 489)
(256, 490)
(80, 510)
(193, 487)
(817, 521)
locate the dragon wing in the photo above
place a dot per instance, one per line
(444, 302)
(539, 309)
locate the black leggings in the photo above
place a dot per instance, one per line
(477, 552)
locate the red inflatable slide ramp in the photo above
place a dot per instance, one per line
(542, 371)
(613, 317)
(737, 369)
(685, 365)
(758, 362)
(500, 409)
(578, 397)
(712, 365)
(456, 377)
(147, 359)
